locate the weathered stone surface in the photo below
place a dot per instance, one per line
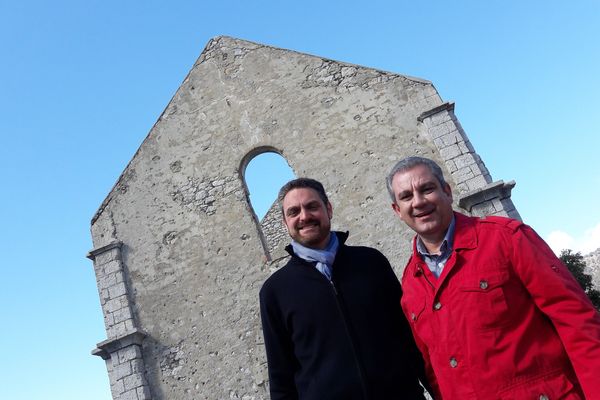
(180, 254)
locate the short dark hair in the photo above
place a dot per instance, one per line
(410, 162)
(300, 183)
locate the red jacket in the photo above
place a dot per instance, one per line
(505, 319)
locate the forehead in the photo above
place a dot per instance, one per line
(300, 196)
(417, 175)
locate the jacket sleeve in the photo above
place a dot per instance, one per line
(558, 295)
(279, 348)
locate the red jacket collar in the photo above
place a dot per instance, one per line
(465, 237)
(465, 234)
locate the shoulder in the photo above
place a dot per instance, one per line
(409, 268)
(279, 277)
(502, 223)
(363, 251)
(366, 259)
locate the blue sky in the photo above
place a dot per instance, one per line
(82, 83)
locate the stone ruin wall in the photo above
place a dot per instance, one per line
(178, 253)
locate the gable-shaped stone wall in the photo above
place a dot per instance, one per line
(179, 254)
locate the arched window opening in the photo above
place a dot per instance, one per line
(264, 175)
(264, 171)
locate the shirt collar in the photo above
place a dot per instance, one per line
(447, 243)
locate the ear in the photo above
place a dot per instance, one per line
(397, 210)
(329, 210)
(447, 190)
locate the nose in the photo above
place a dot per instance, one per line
(303, 214)
(418, 200)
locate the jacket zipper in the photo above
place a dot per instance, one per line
(361, 374)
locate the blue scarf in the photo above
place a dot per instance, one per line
(324, 258)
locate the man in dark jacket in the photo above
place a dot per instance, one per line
(331, 316)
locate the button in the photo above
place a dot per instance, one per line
(413, 316)
(454, 363)
(483, 284)
(544, 397)
(437, 305)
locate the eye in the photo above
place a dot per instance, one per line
(292, 212)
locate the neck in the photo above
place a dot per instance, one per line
(323, 245)
(432, 246)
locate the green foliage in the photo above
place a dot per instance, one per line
(576, 264)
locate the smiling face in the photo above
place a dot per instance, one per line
(307, 217)
(423, 204)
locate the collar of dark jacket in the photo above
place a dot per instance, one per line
(342, 236)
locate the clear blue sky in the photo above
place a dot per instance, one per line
(82, 83)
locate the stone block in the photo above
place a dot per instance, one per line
(464, 160)
(129, 353)
(450, 152)
(498, 206)
(440, 118)
(122, 315)
(107, 280)
(101, 259)
(137, 365)
(129, 395)
(120, 371)
(109, 319)
(463, 174)
(112, 267)
(464, 148)
(476, 183)
(118, 289)
(117, 387)
(483, 209)
(437, 131)
(133, 381)
(450, 165)
(113, 305)
(143, 393)
(117, 330)
(451, 138)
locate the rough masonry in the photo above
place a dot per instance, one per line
(179, 254)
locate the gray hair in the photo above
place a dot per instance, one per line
(410, 162)
(300, 183)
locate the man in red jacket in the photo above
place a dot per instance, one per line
(494, 312)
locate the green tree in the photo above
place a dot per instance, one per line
(576, 264)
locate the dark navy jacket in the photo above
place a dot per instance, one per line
(347, 340)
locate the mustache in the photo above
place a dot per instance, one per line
(308, 223)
